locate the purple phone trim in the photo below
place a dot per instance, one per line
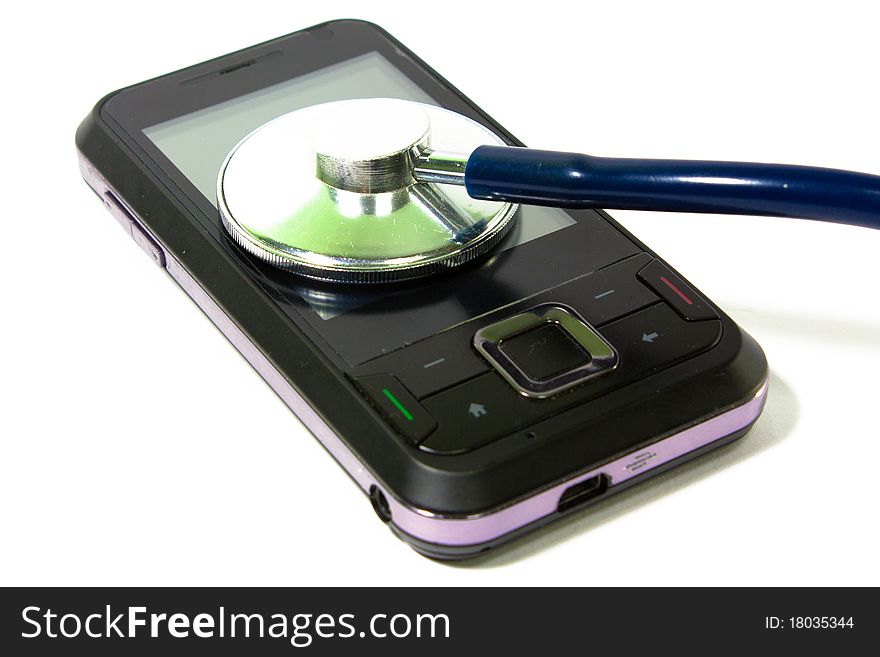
(424, 525)
(482, 528)
(471, 530)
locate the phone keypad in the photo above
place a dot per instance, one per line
(651, 317)
(647, 341)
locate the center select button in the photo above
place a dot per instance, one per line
(545, 350)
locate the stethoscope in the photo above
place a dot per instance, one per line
(379, 190)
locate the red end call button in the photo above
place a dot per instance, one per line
(676, 292)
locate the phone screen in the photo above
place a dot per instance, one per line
(545, 248)
(198, 143)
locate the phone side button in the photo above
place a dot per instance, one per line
(132, 225)
(398, 406)
(147, 244)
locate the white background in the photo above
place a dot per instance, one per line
(138, 447)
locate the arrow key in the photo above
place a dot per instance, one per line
(477, 412)
(657, 337)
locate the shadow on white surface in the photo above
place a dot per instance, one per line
(859, 334)
(775, 424)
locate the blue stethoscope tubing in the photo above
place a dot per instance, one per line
(523, 175)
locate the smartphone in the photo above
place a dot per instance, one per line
(415, 388)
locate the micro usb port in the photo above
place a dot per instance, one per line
(582, 492)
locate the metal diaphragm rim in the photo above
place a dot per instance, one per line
(276, 218)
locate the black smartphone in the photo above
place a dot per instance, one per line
(412, 386)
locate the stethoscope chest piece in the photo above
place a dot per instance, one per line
(328, 192)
